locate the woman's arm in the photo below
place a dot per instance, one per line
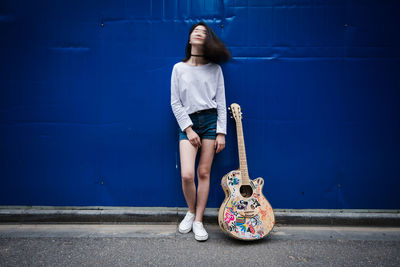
(221, 108)
(181, 116)
(221, 103)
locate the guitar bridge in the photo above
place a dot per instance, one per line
(248, 214)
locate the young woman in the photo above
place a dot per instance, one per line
(198, 103)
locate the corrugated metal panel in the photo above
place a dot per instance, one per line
(85, 117)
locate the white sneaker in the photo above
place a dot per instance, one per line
(186, 224)
(200, 234)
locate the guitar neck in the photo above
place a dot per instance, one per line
(242, 152)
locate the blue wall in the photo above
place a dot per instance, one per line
(85, 116)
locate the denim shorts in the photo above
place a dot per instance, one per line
(204, 124)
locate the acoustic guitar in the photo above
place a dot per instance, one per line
(245, 213)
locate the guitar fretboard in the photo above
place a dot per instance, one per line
(242, 152)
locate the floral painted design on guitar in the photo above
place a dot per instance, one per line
(245, 218)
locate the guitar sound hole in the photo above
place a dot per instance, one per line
(246, 191)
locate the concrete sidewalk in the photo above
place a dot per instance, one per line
(104, 214)
(163, 230)
(135, 244)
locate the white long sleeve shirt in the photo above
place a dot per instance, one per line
(195, 88)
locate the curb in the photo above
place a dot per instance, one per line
(105, 214)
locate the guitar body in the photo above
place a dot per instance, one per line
(247, 215)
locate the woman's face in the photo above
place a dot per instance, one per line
(198, 35)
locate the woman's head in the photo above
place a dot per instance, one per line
(214, 49)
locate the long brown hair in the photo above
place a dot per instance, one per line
(214, 49)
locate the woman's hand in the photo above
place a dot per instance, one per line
(193, 137)
(219, 143)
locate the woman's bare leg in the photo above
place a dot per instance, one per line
(203, 175)
(188, 158)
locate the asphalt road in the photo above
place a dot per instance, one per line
(163, 245)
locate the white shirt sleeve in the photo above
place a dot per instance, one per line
(221, 103)
(181, 116)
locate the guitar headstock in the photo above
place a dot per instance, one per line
(235, 111)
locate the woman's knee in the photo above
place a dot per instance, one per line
(187, 177)
(203, 173)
